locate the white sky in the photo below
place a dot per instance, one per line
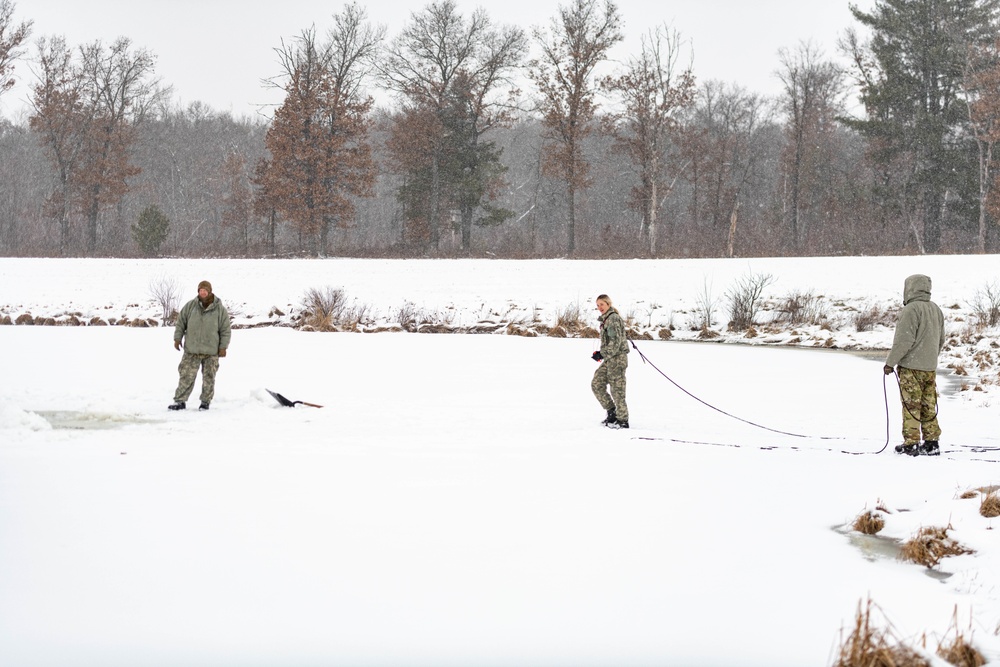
(217, 51)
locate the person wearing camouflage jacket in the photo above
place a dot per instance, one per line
(916, 344)
(613, 360)
(204, 327)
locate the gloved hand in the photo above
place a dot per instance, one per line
(596, 356)
(888, 370)
(177, 345)
(222, 351)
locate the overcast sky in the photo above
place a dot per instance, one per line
(217, 51)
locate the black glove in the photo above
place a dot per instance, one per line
(596, 356)
(888, 370)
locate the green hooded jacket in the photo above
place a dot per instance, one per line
(205, 330)
(613, 338)
(919, 334)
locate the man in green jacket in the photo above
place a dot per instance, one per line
(203, 325)
(918, 341)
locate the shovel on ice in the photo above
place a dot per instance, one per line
(287, 403)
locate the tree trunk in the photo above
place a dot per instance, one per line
(932, 221)
(435, 199)
(653, 210)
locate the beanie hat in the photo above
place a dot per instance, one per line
(204, 284)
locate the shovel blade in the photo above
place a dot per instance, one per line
(281, 399)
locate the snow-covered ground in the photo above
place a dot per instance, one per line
(456, 501)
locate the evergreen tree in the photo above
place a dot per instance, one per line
(910, 74)
(151, 230)
(454, 74)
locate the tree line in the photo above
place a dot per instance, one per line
(502, 142)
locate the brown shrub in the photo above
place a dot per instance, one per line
(707, 334)
(990, 505)
(930, 545)
(514, 330)
(665, 334)
(869, 646)
(557, 332)
(961, 653)
(869, 523)
(25, 319)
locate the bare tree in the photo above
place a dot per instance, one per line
(981, 89)
(813, 90)
(455, 76)
(59, 118)
(121, 89)
(579, 41)
(653, 93)
(86, 112)
(11, 38)
(724, 143)
(320, 154)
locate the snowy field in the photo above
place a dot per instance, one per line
(456, 501)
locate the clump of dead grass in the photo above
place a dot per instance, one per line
(871, 646)
(960, 651)
(869, 523)
(571, 319)
(870, 316)
(989, 506)
(930, 545)
(322, 307)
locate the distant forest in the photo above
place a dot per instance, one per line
(506, 142)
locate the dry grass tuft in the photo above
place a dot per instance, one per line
(323, 307)
(990, 505)
(571, 319)
(961, 653)
(869, 523)
(869, 646)
(707, 334)
(871, 316)
(968, 495)
(930, 545)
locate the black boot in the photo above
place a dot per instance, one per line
(908, 448)
(176, 405)
(619, 424)
(610, 419)
(930, 448)
(203, 406)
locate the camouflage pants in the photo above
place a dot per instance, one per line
(188, 369)
(918, 391)
(611, 372)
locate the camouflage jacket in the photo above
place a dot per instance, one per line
(204, 330)
(613, 338)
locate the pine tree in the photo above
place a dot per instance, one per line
(454, 75)
(910, 76)
(151, 230)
